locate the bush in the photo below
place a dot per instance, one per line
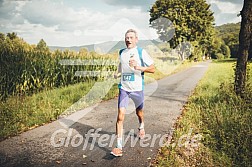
(219, 56)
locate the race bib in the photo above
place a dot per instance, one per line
(128, 77)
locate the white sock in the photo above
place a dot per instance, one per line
(119, 142)
(141, 125)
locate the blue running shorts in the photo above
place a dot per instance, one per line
(136, 96)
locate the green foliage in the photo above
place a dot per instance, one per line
(192, 20)
(12, 35)
(42, 47)
(197, 52)
(219, 56)
(219, 50)
(229, 33)
(225, 50)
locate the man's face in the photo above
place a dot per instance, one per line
(131, 40)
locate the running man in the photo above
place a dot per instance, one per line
(134, 61)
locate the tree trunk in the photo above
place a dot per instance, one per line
(250, 51)
(244, 40)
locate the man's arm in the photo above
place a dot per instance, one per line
(118, 72)
(149, 69)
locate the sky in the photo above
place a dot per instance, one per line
(82, 22)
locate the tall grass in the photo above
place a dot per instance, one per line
(220, 117)
(28, 69)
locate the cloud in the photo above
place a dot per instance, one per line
(234, 1)
(225, 11)
(144, 5)
(49, 13)
(215, 8)
(228, 17)
(225, 7)
(61, 25)
(237, 2)
(7, 9)
(53, 21)
(10, 16)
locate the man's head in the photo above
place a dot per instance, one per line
(131, 38)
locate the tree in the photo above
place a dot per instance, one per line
(192, 20)
(229, 33)
(12, 35)
(2, 36)
(42, 46)
(250, 51)
(83, 52)
(225, 50)
(244, 45)
(219, 50)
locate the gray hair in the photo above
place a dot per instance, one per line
(131, 30)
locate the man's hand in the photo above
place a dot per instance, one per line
(117, 75)
(140, 68)
(132, 63)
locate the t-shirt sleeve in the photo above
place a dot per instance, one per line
(146, 58)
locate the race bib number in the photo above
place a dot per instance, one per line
(128, 77)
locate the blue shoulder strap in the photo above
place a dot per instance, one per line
(120, 52)
(140, 50)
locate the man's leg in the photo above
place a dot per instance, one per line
(123, 101)
(138, 98)
(119, 133)
(119, 123)
(140, 116)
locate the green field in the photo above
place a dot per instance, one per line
(216, 122)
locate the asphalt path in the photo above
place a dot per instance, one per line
(86, 137)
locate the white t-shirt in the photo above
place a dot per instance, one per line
(131, 79)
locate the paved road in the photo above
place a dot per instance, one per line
(87, 137)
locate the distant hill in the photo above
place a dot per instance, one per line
(107, 47)
(230, 28)
(230, 35)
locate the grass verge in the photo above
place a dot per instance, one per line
(215, 127)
